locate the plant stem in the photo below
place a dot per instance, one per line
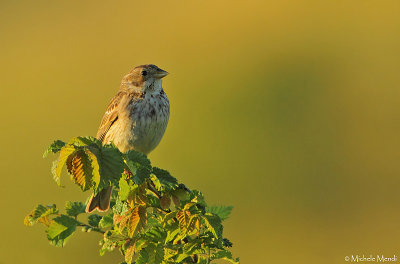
(95, 229)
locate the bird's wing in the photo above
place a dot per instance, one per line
(110, 116)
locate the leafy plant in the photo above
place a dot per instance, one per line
(152, 218)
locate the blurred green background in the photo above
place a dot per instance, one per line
(287, 110)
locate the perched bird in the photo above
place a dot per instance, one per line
(135, 119)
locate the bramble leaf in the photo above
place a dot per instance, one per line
(213, 224)
(94, 220)
(142, 223)
(183, 218)
(75, 208)
(55, 147)
(111, 165)
(136, 220)
(85, 141)
(39, 214)
(106, 221)
(165, 178)
(222, 211)
(225, 255)
(60, 230)
(79, 166)
(143, 257)
(130, 250)
(139, 165)
(65, 152)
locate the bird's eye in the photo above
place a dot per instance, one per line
(144, 73)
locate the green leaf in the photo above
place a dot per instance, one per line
(143, 257)
(65, 153)
(171, 235)
(130, 251)
(124, 189)
(139, 158)
(213, 224)
(85, 141)
(225, 255)
(181, 257)
(139, 165)
(55, 147)
(106, 221)
(39, 214)
(158, 254)
(111, 166)
(94, 220)
(96, 177)
(60, 230)
(75, 208)
(166, 180)
(155, 234)
(222, 211)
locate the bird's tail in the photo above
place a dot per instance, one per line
(101, 201)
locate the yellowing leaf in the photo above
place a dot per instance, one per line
(64, 155)
(79, 167)
(136, 220)
(130, 251)
(183, 218)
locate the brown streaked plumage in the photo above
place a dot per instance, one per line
(135, 119)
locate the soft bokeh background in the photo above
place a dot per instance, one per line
(288, 110)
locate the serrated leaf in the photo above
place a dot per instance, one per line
(213, 224)
(55, 147)
(171, 235)
(183, 217)
(193, 226)
(225, 255)
(222, 211)
(75, 208)
(166, 180)
(155, 234)
(65, 152)
(139, 158)
(130, 251)
(111, 165)
(80, 169)
(158, 254)
(85, 141)
(39, 214)
(94, 220)
(94, 162)
(143, 257)
(60, 230)
(139, 165)
(106, 221)
(181, 257)
(136, 220)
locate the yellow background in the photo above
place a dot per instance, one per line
(287, 110)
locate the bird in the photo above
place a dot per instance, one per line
(135, 119)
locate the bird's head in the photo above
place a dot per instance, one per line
(144, 78)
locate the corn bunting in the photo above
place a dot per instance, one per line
(135, 119)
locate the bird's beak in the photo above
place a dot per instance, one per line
(160, 74)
